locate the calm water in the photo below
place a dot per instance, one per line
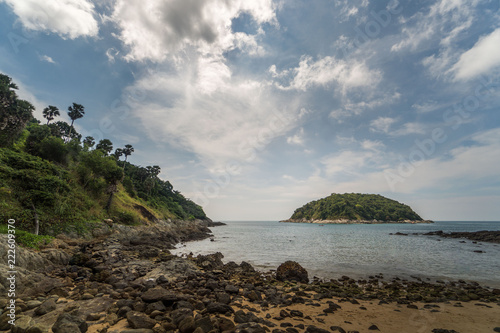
(357, 250)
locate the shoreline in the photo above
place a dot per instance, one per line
(126, 278)
(347, 221)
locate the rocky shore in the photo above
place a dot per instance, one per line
(126, 280)
(478, 236)
(346, 221)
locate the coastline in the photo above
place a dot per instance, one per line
(125, 279)
(346, 221)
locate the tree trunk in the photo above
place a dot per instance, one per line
(37, 222)
(110, 200)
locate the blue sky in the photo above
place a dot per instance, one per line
(254, 108)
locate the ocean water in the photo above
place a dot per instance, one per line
(357, 250)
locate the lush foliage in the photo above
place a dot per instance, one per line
(14, 112)
(47, 173)
(356, 206)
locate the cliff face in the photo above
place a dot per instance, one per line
(355, 208)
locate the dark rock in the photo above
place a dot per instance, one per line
(219, 308)
(496, 329)
(178, 315)
(184, 304)
(204, 323)
(223, 298)
(46, 307)
(441, 330)
(158, 294)
(337, 329)
(67, 323)
(291, 271)
(231, 289)
(139, 320)
(251, 328)
(373, 328)
(314, 329)
(296, 313)
(187, 325)
(292, 330)
(224, 324)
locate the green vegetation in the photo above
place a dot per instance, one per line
(27, 239)
(355, 206)
(52, 181)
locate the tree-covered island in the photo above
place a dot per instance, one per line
(355, 208)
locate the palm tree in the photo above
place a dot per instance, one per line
(75, 112)
(50, 113)
(127, 151)
(105, 145)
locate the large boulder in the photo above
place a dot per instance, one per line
(67, 323)
(291, 271)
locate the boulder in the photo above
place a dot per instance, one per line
(292, 271)
(67, 323)
(140, 320)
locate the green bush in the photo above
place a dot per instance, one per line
(27, 239)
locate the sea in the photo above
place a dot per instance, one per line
(331, 251)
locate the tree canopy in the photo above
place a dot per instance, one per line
(355, 206)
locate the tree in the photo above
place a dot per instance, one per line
(118, 153)
(50, 113)
(88, 142)
(127, 151)
(75, 112)
(63, 130)
(105, 145)
(14, 113)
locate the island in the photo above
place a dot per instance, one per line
(350, 208)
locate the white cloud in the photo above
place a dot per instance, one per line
(382, 124)
(67, 18)
(385, 124)
(48, 59)
(213, 114)
(480, 59)
(297, 139)
(347, 74)
(155, 29)
(443, 23)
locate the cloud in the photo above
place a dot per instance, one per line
(382, 124)
(347, 74)
(154, 29)
(48, 59)
(480, 59)
(206, 110)
(297, 139)
(67, 18)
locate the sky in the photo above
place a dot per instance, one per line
(254, 108)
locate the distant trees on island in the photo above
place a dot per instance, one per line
(355, 206)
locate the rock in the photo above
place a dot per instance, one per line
(22, 324)
(139, 320)
(231, 289)
(67, 323)
(219, 308)
(496, 329)
(314, 329)
(187, 325)
(46, 307)
(204, 323)
(291, 271)
(251, 328)
(33, 304)
(223, 298)
(178, 315)
(373, 328)
(441, 330)
(158, 294)
(224, 324)
(337, 329)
